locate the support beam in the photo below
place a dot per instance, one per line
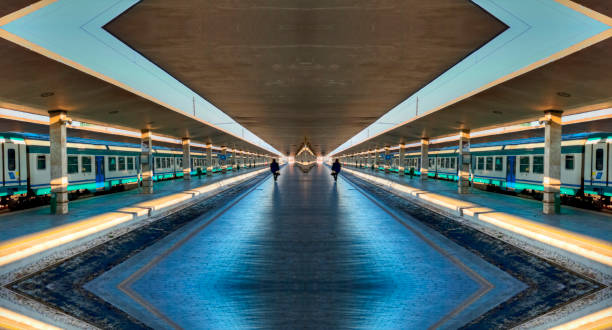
(424, 159)
(209, 160)
(146, 161)
(59, 161)
(552, 162)
(186, 159)
(463, 182)
(377, 162)
(402, 160)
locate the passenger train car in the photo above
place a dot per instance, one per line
(92, 166)
(518, 165)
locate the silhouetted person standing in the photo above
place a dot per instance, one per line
(336, 167)
(275, 169)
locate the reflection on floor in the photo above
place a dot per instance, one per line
(301, 252)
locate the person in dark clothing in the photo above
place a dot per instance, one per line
(336, 167)
(275, 169)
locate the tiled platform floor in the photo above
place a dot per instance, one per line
(21, 223)
(305, 252)
(585, 222)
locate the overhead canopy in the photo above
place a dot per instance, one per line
(36, 83)
(575, 83)
(320, 72)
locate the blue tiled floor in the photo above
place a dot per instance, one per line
(302, 252)
(20, 223)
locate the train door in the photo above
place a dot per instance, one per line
(12, 173)
(510, 171)
(100, 177)
(599, 163)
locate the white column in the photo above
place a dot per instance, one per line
(209, 160)
(59, 161)
(402, 161)
(424, 159)
(146, 161)
(186, 159)
(463, 166)
(552, 162)
(377, 163)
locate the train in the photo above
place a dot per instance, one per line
(517, 166)
(93, 166)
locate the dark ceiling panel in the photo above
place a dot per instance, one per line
(320, 70)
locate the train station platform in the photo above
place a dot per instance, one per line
(301, 252)
(24, 233)
(577, 231)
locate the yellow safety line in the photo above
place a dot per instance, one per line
(598, 320)
(28, 245)
(588, 247)
(12, 320)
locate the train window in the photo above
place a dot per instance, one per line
(481, 163)
(538, 164)
(599, 159)
(439, 162)
(453, 162)
(11, 159)
(446, 162)
(524, 164)
(157, 162)
(130, 163)
(85, 164)
(41, 162)
(489, 163)
(121, 163)
(112, 163)
(569, 162)
(499, 163)
(73, 164)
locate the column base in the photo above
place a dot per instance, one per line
(60, 208)
(424, 176)
(187, 176)
(147, 187)
(551, 203)
(59, 202)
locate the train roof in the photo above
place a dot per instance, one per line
(540, 139)
(45, 137)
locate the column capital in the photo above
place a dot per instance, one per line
(186, 140)
(424, 140)
(553, 112)
(57, 112)
(59, 116)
